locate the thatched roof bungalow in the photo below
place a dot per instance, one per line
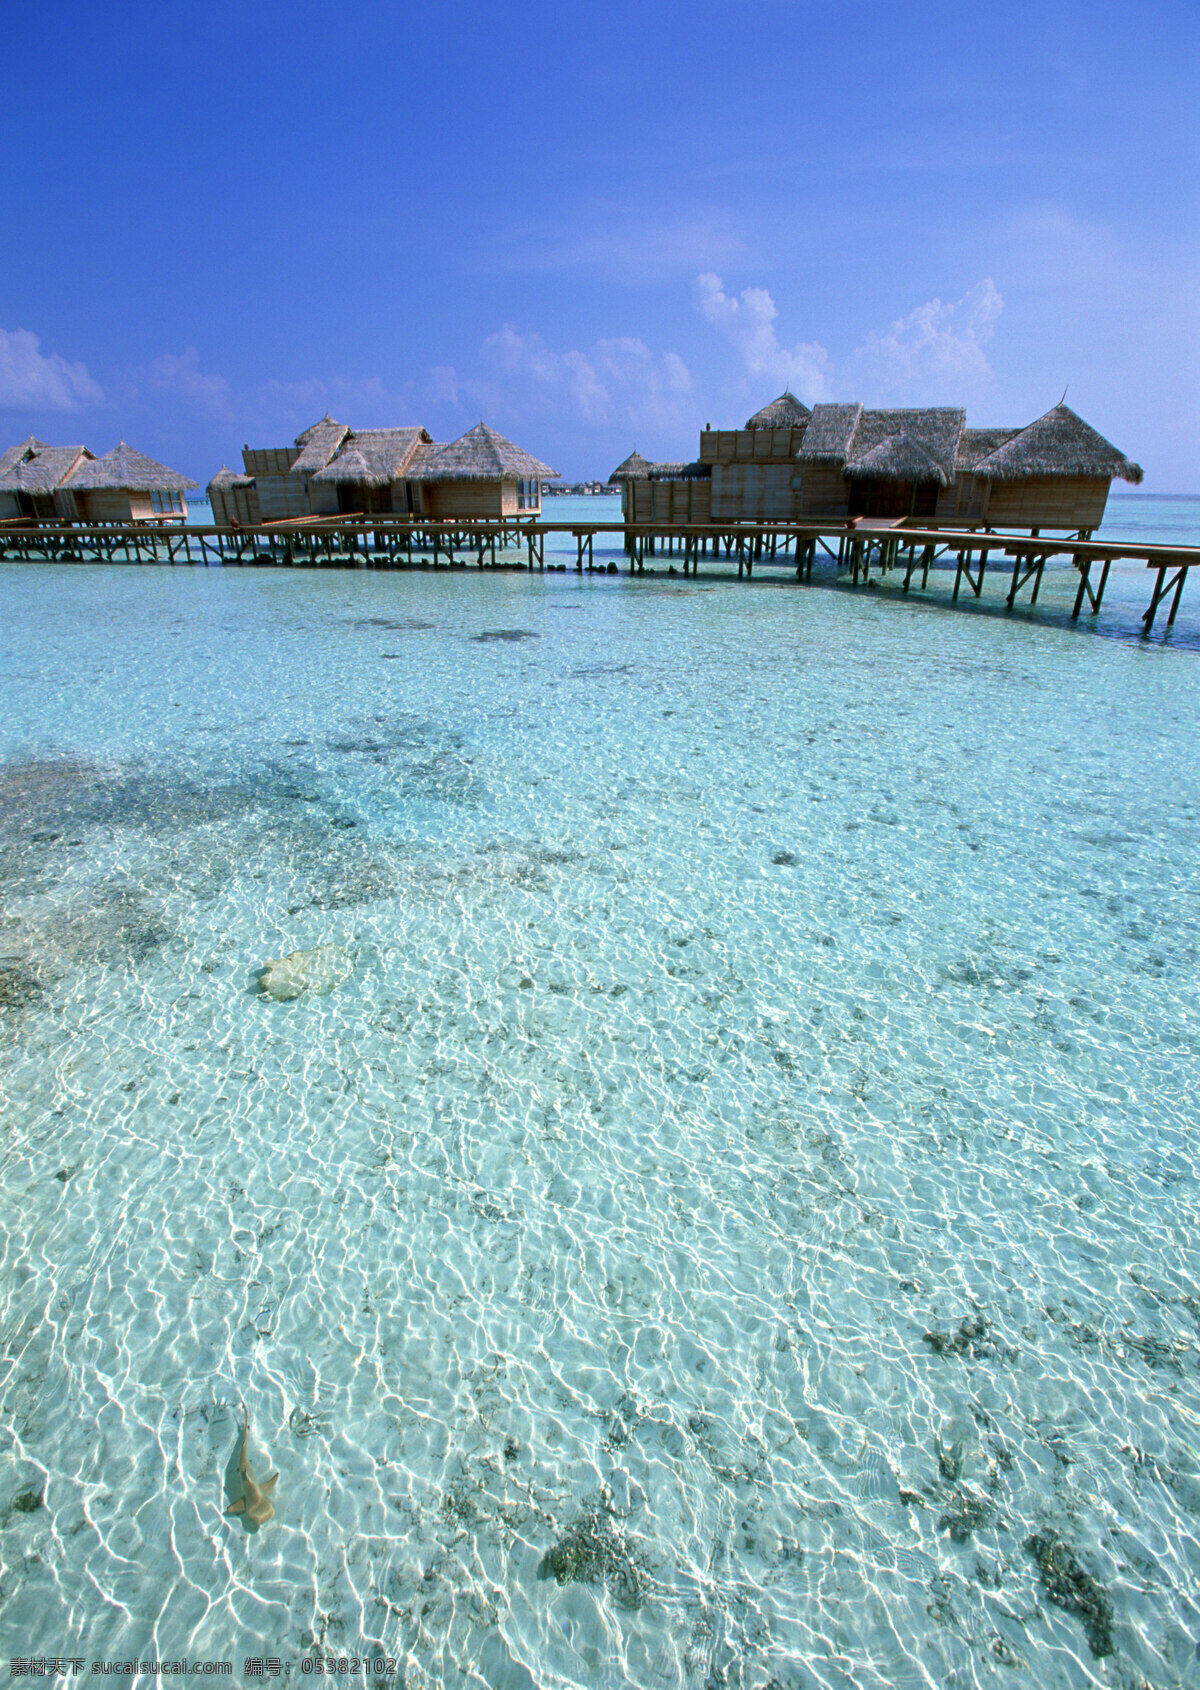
(479, 474)
(752, 468)
(233, 498)
(843, 459)
(926, 463)
(32, 477)
(856, 462)
(126, 486)
(334, 469)
(367, 472)
(1053, 474)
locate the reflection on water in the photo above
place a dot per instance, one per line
(728, 1217)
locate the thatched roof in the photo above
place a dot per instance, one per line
(784, 412)
(13, 454)
(635, 468)
(935, 430)
(479, 455)
(127, 471)
(898, 457)
(353, 468)
(373, 457)
(680, 472)
(229, 478)
(1058, 444)
(318, 444)
(897, 445)
(829, 434)
(976, 443)
(43, 470)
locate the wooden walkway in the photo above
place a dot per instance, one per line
(864, 549)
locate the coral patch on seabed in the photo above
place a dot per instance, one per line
(1071, 1587)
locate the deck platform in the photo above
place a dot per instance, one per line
(865, 549)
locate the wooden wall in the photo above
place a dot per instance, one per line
(284, 495)
(269, 460)
(824, 491)
(755, 492)
(1061, 502)
(106, 504)
(965, 500)
(236, 504)
(448, 499)
(749, 445)
(667, 501)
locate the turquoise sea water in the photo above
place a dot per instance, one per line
(737, 1222)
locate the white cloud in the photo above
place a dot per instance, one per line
(617, 380)
(33, 380)
(935, 352)
(748, 322)
(181, 376)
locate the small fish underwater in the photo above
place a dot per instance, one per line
(254, 1504)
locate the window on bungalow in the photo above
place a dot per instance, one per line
(164, 501)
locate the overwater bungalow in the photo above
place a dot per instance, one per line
(843, 460)
(31, 476)
(37, 480)
(127, 486)
(333, 469)
(1054, 474)
(856, 462)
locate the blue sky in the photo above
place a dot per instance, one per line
(596, 226)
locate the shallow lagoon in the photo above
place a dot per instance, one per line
(743, 1198)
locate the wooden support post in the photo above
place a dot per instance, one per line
(1083, 565)
(1179, 580)
(1016, 579)
(1098, 600)
(1162, 587)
